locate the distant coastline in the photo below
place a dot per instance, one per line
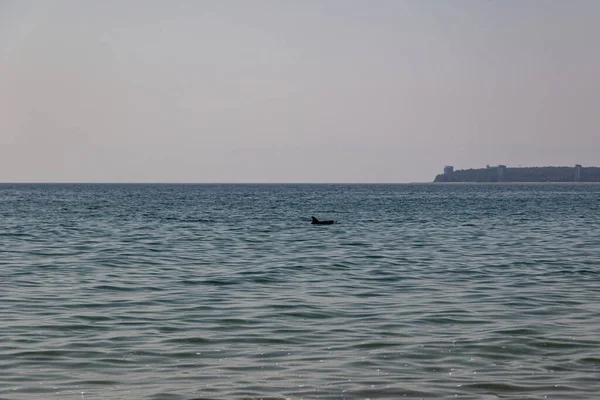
(502, 173)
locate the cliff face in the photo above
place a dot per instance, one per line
(534, 174)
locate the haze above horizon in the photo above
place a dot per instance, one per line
(340, 91)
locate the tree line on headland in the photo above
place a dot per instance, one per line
(529, 174)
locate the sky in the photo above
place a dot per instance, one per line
(319, 91)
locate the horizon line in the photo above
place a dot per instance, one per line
(302, 183)
(201, 183)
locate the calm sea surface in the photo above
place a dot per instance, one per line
(228, 292)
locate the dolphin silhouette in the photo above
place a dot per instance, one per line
(317, 222)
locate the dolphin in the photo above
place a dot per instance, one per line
(317, 222)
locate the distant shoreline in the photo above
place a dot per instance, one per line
(504, 174)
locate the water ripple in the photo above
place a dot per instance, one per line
(228, 292)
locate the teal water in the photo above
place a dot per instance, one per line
(228, 292)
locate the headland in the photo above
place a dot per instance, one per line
(502, 173)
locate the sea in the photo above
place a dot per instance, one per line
(227, 291)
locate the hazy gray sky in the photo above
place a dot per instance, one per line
(294, 91)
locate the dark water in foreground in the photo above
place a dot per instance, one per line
(227, 292)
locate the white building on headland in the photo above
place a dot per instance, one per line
(500, 171)
(578, 168)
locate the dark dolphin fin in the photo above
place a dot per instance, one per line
(314, 220)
